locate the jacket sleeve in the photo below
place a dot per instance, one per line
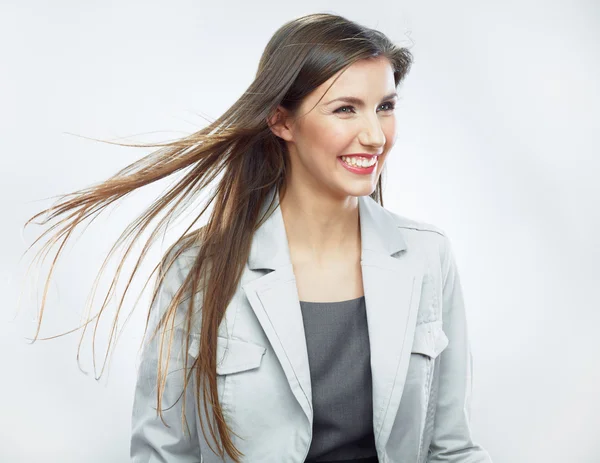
(151, 440)
(452, 441)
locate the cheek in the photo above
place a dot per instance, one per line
(389, 128)
(331, 136)
(337, 135)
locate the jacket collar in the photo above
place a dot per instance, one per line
(379, 234)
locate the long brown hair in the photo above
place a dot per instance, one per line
(301, 55)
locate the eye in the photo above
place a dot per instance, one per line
(391, 107)
(391, 104)
(339, 110)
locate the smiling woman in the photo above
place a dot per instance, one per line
(304, 321)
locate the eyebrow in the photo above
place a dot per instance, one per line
(358, 101)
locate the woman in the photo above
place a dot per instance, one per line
(328, 328)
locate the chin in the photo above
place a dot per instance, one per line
(364, 189)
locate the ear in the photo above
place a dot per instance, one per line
(280, 123)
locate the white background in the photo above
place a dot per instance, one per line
(498, 145)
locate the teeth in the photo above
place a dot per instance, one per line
(357, 161)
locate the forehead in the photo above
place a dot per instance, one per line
(368, 79)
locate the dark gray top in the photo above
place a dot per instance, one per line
(340, 367)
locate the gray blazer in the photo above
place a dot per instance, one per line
(421, 360)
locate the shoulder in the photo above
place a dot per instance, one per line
(418, 229)
(431, 238)
(174, 269)
(178, 260)
(184, 251)
(417, 225)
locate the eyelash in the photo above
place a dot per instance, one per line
(392, 107)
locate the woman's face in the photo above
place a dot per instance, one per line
(319, 136)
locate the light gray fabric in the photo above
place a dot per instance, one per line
(339, 359)
(421, 361)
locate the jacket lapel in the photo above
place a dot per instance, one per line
(392, 288)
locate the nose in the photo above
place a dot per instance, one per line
(371, 133)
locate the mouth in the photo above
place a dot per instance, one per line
(359, 164)
(360, 160)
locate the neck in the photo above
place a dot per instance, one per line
(320, 228)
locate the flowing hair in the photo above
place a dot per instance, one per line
(239, 146)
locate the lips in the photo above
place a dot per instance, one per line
(358, 169)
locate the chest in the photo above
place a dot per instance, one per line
(336, 280)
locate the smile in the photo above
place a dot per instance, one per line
(357, 167)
